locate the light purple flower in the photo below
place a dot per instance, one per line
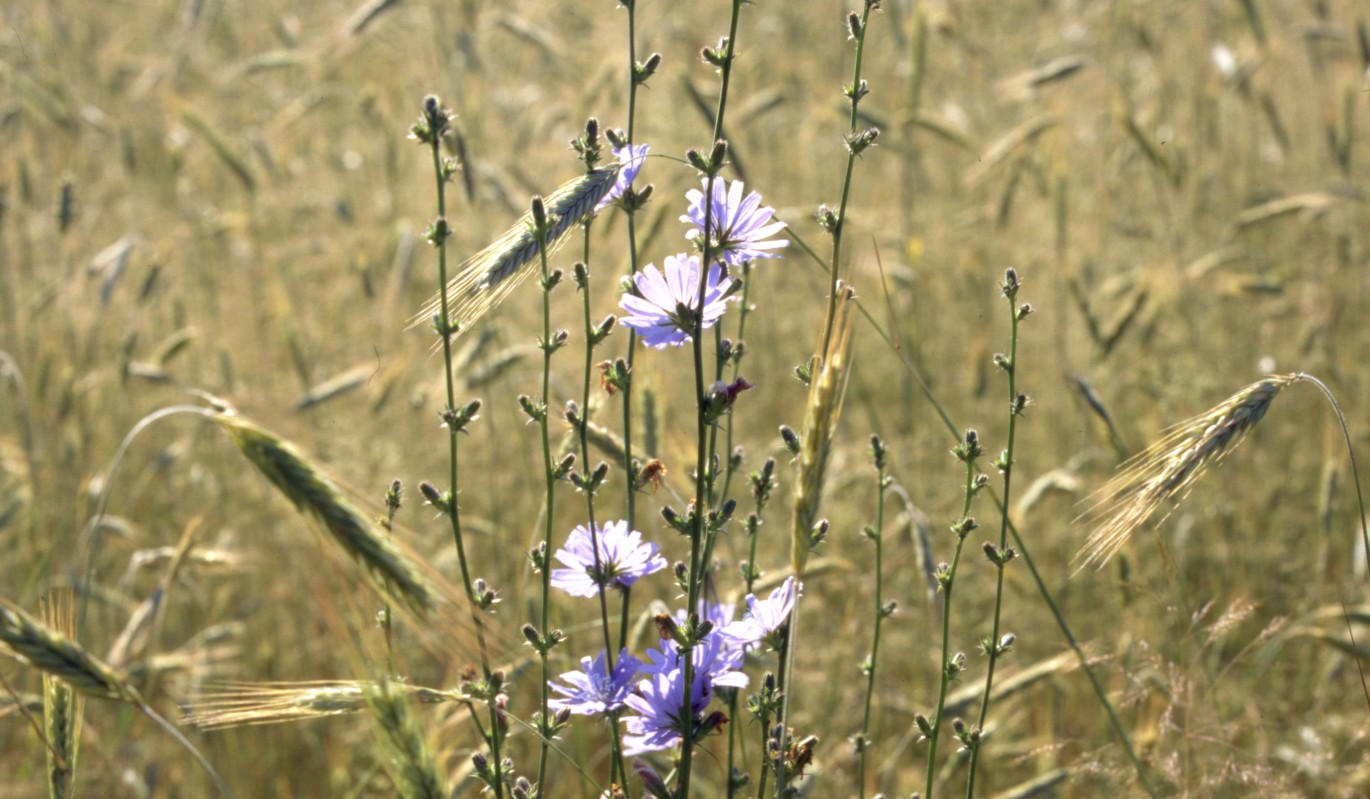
(764, 617)
(623, 559)
(739, 226)
(592, 690)
(630, 160)
(720, 614)
(663, 307)
(714, 656)
(658, 702)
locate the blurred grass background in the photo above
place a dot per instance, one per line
(209, 195)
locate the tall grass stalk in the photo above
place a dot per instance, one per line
(862, 741)
(549, 343)
(637, 76)
(967, 452)
(857, 142)
(727, 51)
(947, 421)
(994, 646)
(829, 373)
(827, 394)
(701, 538)
(432, 126)
(589, 480)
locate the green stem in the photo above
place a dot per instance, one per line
(854, 93)
(1350, 454)
(788, 655)
(549, 500)
(454, 516)
(992, 646)
(947, 586)
(609, 651)
(870, 666)
(703, 456)
(1023, 552)
(630, 494)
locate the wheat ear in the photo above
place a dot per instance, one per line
(411, 762)
(827, 390)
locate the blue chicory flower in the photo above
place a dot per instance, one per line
(630, 158)
(661, 310)
(658, 702)
(593, 690)
(623, 559)
(764, 617)
(739, 226)
(715, 656)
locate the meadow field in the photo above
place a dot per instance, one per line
(222, 208)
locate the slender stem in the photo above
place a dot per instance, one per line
(630, 494)
(1023, 551)
(584, 427)
(732, 743)
(616, 760)
(454, 515)
(549, 501)
(765, 752)
(992, 646)
(1350, 454)
(788, 655)
(703, 457)
(948, 584)
(870, 665)
(854, 93)
(742, 314)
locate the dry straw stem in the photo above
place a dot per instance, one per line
(410, 761)
(61, 706)
(390, 571)
(487, 277)
(827, 390)
(1168, 469)
(250, 704)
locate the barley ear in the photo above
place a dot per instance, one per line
(1166, 471)
(57, 656)
(245, 704)
(486, 278)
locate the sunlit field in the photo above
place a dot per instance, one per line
(218, 358)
